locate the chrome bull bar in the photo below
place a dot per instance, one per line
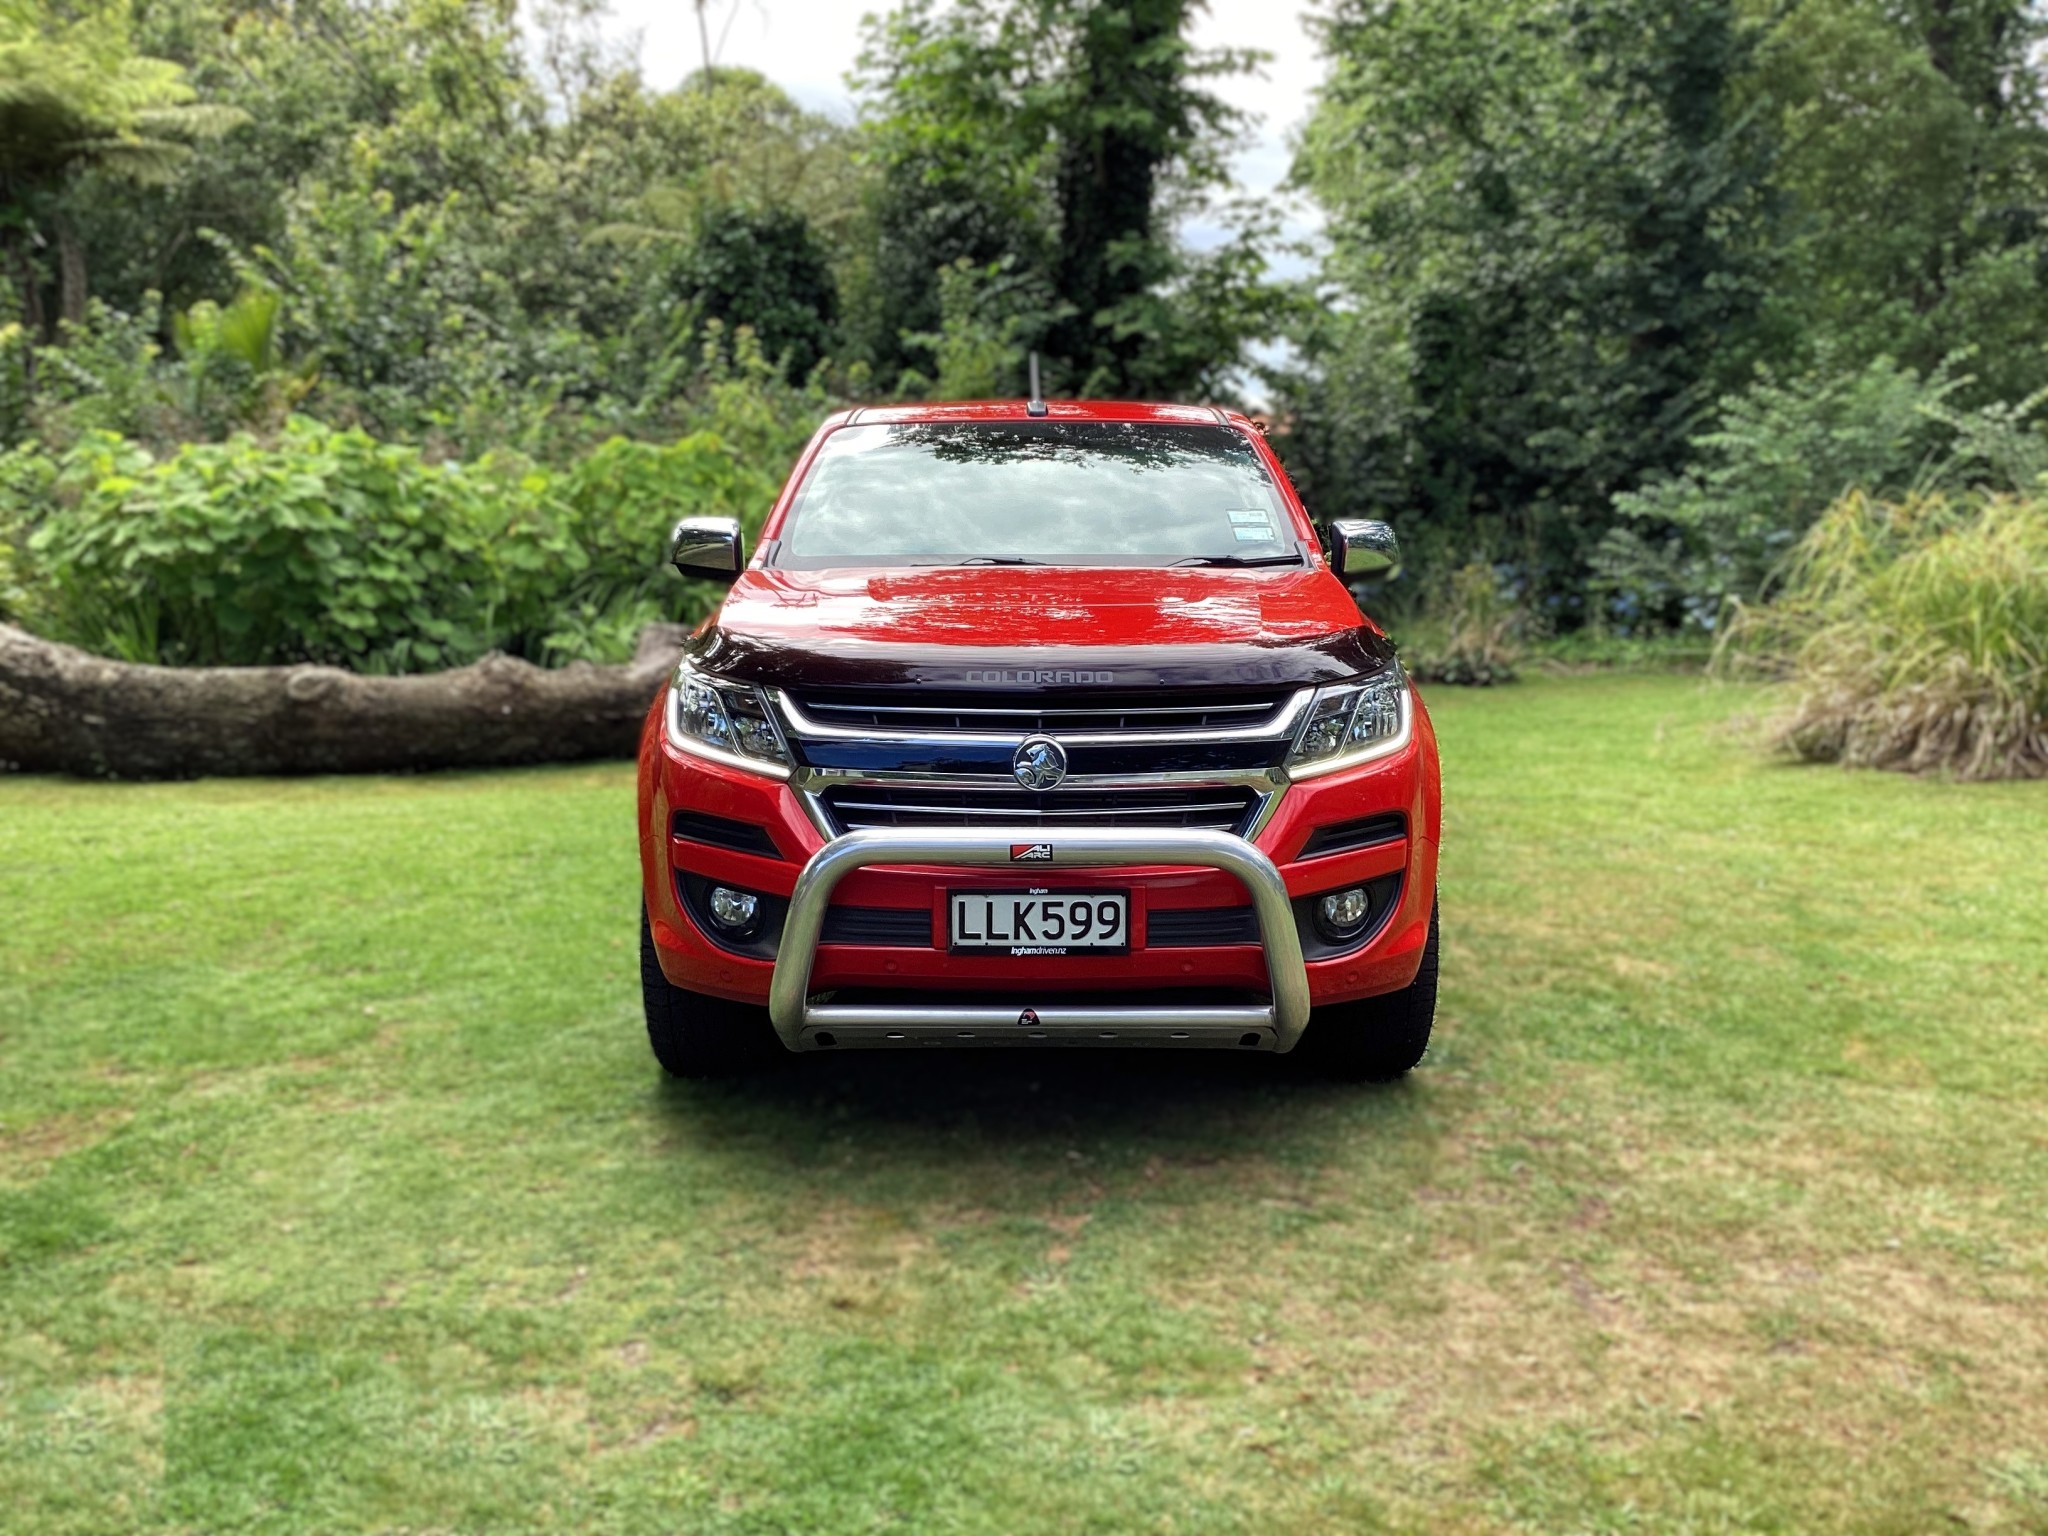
(1274, 1026)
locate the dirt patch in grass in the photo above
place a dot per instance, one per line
(857, 1259)
(27, 1152)
(845, 1241)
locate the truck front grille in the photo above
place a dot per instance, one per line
(1221, 808)
(1153, 713)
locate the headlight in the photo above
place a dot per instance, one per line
(726, 721)
(1353, 723)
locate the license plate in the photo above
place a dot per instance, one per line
(1041, 922)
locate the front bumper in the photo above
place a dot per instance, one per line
(1206, 985)
(804, 1025)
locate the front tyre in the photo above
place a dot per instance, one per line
(1377, 1039)
(694, 1035)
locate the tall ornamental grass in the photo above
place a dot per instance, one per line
(1913, 636)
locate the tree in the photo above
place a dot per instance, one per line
(423, 98)
(467, 250)
(1058, 140)
(1125, 118)
(955, 138)
(763, 268)
(1915, 171)
(703, 8)
(1552, 227)
(656, 164)
(76, 96)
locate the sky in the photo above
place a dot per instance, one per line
(807, 46)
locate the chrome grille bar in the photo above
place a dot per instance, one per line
(1276, 721)
(1263, 706)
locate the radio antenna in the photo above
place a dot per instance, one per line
(1035, 406)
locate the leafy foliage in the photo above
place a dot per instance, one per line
(1911, 154)
(1624, 293)
(621, 501)
(1783, 453)
(766, 270)
(1780, 454)
(75, 95)
(985, 316)
(1618, 294)
(234, 364)
(327, 545)
(331, 547)
(106, 374)
(460, 260)
(1552, 222)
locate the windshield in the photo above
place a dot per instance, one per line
(1133, 493)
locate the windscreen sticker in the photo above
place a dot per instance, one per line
(1252, 525)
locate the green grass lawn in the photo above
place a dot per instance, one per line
(339, 1192)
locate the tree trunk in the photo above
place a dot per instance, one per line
(18, 272)
(71, 290)
(22, 269)
(1130, 95)
(64, 711)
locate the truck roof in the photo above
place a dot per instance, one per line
(1056, 410)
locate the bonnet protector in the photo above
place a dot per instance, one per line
(844, 662)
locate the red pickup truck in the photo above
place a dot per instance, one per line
(1039, 724)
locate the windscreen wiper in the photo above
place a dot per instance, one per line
(1240, 560)
(984, 560)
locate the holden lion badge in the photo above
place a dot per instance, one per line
(1039, 762)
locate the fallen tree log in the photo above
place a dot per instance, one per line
(64, 711)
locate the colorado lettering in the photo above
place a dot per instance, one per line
(1000, 676)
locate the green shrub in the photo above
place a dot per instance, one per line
(764, 268)
(1781, 454)
(107, 376)
(326, 547)
(231, 367)
(1473, 635)
(1913, 635)
(987, 313)
(620, 503)
(25, 482)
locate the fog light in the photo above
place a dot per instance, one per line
(732, 910)
(1342, 913)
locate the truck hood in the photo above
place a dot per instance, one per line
(1028, 628)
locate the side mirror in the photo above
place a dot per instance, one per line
(1364, 550)
(708, 548)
